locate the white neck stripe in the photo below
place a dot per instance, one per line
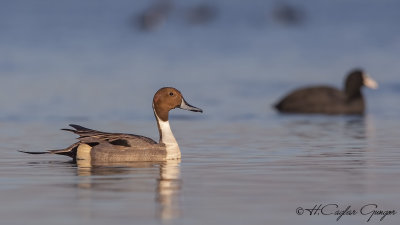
(167, 138)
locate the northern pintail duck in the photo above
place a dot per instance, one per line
(98, 146)
(329, 100)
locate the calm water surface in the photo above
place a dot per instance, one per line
(240, 172)
(86, 63)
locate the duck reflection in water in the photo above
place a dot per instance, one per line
(134, 178)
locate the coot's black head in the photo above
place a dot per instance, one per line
(355, 81)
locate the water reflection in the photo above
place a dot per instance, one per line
(329, 127)
(168, 188)
(134, 178)
(334, 148)
(356, 128)
(331, 137)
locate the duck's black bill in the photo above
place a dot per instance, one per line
(186, 106)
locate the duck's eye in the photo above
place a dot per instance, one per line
(171, 94)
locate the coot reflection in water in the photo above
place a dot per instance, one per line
(314, 127)
(335, 149)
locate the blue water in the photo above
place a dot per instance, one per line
(88, 62)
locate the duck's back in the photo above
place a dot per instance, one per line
(319, 99)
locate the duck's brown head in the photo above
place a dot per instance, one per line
(168, 98)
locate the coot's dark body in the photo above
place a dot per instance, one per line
(329, 100)
(321, 99)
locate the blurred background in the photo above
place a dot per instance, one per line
(98, 63)
(103, 60)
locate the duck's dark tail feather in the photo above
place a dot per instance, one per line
(78, 129)
(69, 151)
(35, 153)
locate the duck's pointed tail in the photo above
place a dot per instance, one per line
(69, 151)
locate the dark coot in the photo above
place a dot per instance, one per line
(202, 14)
(287, 14)
(154, 16)
(329, 100)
